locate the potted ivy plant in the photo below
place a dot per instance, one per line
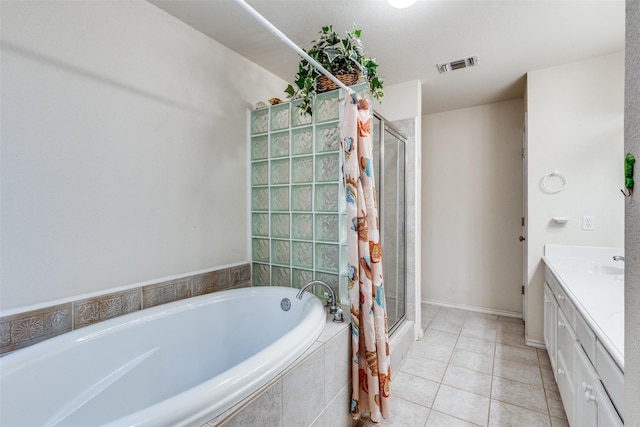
(344, 58)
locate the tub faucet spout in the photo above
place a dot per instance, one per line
(618, 258)
(338, 316)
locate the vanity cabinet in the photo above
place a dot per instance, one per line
(550, 319)
(586, 375)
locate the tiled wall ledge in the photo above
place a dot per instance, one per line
(30, 327)
(315, 390)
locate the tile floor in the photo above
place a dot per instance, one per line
(473, 369)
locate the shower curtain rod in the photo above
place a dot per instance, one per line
(283, 38)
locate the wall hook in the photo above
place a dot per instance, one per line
(629, 193)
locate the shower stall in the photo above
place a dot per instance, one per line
(389, 153)
(298, 211)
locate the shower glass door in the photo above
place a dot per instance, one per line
(389, 161)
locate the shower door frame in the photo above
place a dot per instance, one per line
(385, 126)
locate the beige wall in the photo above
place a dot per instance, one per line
(575, 125)
(123, 148)
(632, 243)
(472, 205)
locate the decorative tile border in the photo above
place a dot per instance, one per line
(24, 329)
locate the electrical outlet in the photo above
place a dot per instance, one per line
(588, 222)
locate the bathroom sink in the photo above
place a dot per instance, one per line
(611, 271)
(592, 268)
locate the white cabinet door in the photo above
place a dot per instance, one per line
(565, 372)
(607, 415)
(587, 401)
(550, 331)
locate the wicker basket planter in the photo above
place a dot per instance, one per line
(323, 84)
(342, 56)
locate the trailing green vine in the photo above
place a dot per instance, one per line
(339, 56)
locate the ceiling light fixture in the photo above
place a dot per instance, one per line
(401, 4)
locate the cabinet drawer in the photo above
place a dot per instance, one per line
(566, 340)
(611, 376)
(566, 305)
(551, 280)
(586, 336)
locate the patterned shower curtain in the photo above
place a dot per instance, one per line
(371, 371)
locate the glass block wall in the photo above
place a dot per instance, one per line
(298, 213)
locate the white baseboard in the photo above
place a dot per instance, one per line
(503, 313)
(536, 344)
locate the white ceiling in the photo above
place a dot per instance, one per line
(510, 37)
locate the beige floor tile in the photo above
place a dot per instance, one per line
(462, 404)
(511, 338)
(487, 334)
(557, 422)
(414, 389)
(548, 381)
(482, 320)
(438, 419)
(468, 380)
(424, 368)
(404, 414)
(429, 312)
(451, 325)
(506, 415)
(441, 353)
(485, 363)
(555, 405)
(527, 356)
(476, 345)
(509, 324)
(528, 374)
(543, 359)
(474, 361)
(519, 394)
(435, 337)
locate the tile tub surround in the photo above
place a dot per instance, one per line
(321, 374)
(315, 390)
(473, 369)
(30, 327)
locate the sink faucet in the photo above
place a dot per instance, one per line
(618, 258)
(331, 303)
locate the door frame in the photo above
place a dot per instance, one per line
(524, 231)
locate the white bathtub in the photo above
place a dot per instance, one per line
(179, 364)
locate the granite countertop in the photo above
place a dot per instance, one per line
(595, 284)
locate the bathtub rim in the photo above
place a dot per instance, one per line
(182, 409)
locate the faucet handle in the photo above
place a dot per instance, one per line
(329, 299)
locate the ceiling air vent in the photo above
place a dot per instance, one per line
(458, 64)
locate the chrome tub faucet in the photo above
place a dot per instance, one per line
(332, 303)
(618, 258)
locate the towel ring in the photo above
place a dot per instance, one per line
(560, 175)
